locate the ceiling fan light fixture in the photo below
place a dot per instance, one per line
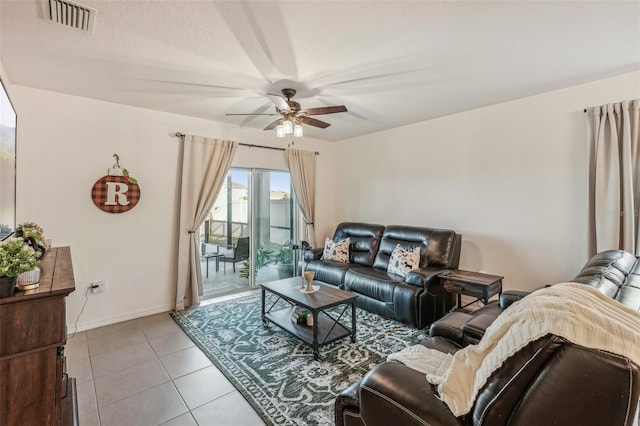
(288, 127)
(292, 116)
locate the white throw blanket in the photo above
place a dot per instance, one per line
(577, 312)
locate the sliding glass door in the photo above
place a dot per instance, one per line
(245, 240)
(273, 221)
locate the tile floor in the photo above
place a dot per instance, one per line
(147, 372)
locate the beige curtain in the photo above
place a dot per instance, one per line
(302, 166)
(614, 177)
(204, 167)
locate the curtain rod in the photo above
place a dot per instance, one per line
(250, 145)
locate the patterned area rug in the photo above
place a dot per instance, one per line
(276, 372)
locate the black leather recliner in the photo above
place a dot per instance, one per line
(550, 381)
(416, 299)
(616, 273)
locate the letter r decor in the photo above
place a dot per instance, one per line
(115, 194)
(116, 189)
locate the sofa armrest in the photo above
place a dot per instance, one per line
(347, 406)
(393, 394)
(510, 296)
(422, 277)
(313, 254)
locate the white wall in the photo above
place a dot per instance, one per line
(511, 178)
(66, 143)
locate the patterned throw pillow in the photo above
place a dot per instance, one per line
(403, 261)
(338, 252)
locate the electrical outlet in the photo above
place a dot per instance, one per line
(98, 287)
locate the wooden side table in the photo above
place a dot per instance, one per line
(475, 284)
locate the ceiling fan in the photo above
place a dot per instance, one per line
(292, 116)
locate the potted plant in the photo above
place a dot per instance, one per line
(16, 257)
(33, 235)
(283, 259)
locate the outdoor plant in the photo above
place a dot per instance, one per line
(263, 258)
(283, 259)
(16, 257)
(284, 255)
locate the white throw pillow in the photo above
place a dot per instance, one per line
(403, 261)
(338, 252)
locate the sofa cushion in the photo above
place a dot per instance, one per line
(336, 251)
(365, 240)
(441, 344)
(438, 247)
(475, 328)
(328, 271)
(616, 273)
(403, 261)
(450, 326)
(629, 295)
(372, 282)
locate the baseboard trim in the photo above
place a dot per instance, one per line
(84, 326)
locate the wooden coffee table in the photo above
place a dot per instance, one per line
(326, 327)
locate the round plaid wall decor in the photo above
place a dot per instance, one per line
(115, 194)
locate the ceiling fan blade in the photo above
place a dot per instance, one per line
(279, 102)
(212, 86)
(324, 110)
(313, 122)
(273, 124)
(254, 114)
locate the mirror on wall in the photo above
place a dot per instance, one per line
(7, 164)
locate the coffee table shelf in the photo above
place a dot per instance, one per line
(326, 328)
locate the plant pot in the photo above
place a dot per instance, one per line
(29, 280)
(7, 286)
(285, 270)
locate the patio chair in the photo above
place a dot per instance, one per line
(240, 253)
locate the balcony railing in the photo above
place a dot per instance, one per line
(215, 232)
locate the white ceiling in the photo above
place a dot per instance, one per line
(391, 63)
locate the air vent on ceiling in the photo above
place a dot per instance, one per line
(71, 14)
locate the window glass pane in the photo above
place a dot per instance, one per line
(274, 225)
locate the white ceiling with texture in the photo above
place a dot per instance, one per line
(391, 63)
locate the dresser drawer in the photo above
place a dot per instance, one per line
(32, 324)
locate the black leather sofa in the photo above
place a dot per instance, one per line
(416, 299)
(550, 381)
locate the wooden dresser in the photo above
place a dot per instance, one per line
(34, 386)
